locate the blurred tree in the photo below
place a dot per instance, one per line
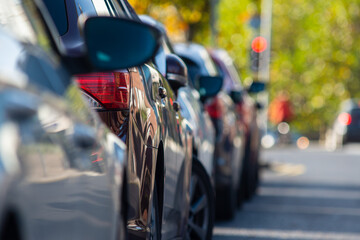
(315, 57)
(235, 31)
(184, 20)
(315, 53)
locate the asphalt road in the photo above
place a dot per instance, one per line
(304, 194)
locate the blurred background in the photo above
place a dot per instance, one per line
(314, 48)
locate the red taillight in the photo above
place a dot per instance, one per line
(214, 108)
(111, 89)
(345, 118)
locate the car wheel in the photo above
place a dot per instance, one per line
(226, 199)
(155, 228)
(10, 230)
(249, 183)
(248, 174)
(240, 194)
(201, 214)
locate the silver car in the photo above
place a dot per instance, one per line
(61, 170)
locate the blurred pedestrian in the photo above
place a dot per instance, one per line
(280, 109)
(280, 114)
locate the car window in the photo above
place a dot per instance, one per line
(132, 14)
(14, 19)
(102, 8)
(36, 59)
(98, 7)
(57, 10)
(85, 6)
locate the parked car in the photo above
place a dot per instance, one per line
(138, 106)
(201, 219)
(346, 126)
(61, 170)
(230, 135)
(247, 109)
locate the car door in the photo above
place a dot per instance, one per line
(177, 172)
(143, 142)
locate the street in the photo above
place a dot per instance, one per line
(304, 194)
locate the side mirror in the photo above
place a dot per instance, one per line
(117, 43)
(256, 87)
(209, 86)
(236, 96)
(176, 72)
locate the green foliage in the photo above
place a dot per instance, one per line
(235, 34)
(315, 57)
(174, 14)
(315, 47)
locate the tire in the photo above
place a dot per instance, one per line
(10, 230)
(240, 194)
(122, 233)
(202, 205)
(256, 180)
(248, 175)
(226, 199)
(155, 226)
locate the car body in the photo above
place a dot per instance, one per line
(247, 109)
(158, 138)
(346, 126)
(230, 136)
(62, 171)
(175, 70)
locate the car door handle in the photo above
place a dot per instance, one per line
(84, 136)
(162, 92)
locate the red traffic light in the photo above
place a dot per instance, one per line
(259, 44)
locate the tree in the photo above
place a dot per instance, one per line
(315, 53)
(184, 20)
(315, 57)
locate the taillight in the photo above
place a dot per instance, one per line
(111, 89)
(214, 108)
(345, 118)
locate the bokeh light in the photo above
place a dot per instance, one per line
(283, 128)
(303, 143)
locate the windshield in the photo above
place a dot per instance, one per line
(57, 10)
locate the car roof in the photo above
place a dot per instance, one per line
(226, 64)
(199, 55)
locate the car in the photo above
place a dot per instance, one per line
(230, 135)
(138, 105)
(247, 110)
(345, 127)
(201, 219)
(62, 171)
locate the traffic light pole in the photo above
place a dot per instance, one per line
(264, 64)
(265, 31)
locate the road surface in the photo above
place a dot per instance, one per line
(304, 194)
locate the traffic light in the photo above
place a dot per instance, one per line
(258, 47)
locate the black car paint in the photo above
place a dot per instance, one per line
(157, 139)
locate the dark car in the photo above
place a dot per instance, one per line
(230, 135)
(137, 105)
(346, 127)
(247, 109)
(174, 69)
(62, 171)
